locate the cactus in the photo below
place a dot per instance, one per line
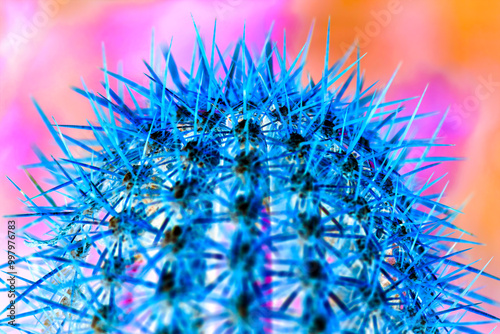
(237, 200)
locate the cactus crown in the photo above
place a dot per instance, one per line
(245, 203)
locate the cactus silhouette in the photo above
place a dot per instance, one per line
(238, 200)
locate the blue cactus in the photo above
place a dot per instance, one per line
(245, 203)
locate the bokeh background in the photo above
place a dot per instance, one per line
(453, 46)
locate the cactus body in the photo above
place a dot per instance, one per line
(245, 203)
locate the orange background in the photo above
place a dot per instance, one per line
(46, 46)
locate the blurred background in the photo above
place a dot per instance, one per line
(47, 46)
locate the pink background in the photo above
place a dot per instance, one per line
(46, 46)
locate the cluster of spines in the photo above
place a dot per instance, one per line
(245, 203)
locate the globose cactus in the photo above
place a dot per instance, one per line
(237, 200)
